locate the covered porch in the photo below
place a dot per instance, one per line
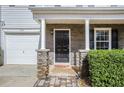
(67, 34)
(90, 34)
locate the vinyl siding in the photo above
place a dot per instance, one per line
(18, 17)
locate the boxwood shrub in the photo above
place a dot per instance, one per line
(106, 68)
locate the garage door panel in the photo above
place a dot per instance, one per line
(21, 49)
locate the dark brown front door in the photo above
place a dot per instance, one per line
(62, 46)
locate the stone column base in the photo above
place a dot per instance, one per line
(83, 64)
(42, 63)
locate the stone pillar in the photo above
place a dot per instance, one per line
(42, 63)
(82, 55)
(83, 64)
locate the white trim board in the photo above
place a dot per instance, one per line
(77, 10)
(19, 31)
(80, 16)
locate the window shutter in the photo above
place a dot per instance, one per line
(91, 39)
(114, 39)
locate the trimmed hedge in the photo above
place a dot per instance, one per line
(106, 68)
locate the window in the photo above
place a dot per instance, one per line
(102, 38)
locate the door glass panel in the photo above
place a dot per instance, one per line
(61, 46)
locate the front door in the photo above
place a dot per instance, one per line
(62, 46)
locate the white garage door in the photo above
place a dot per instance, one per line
(21, 49)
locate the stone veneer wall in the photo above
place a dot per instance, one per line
(42, 63)
(78, 37)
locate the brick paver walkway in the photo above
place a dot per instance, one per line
(57, 81)
(59, 76)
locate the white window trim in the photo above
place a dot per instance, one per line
(109, 29)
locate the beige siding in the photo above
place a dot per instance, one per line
(121, 37)
(77, 39)
(119, 27)
(77, 35)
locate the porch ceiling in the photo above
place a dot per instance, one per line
(79, 21)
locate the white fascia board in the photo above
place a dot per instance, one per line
(76, 8)
(79, 16)
(70, 10)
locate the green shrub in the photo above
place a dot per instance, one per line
(106, 68)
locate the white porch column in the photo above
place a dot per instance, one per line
(87, 45)
(42, 34)
(42, 53)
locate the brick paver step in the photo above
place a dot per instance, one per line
(54, 81)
